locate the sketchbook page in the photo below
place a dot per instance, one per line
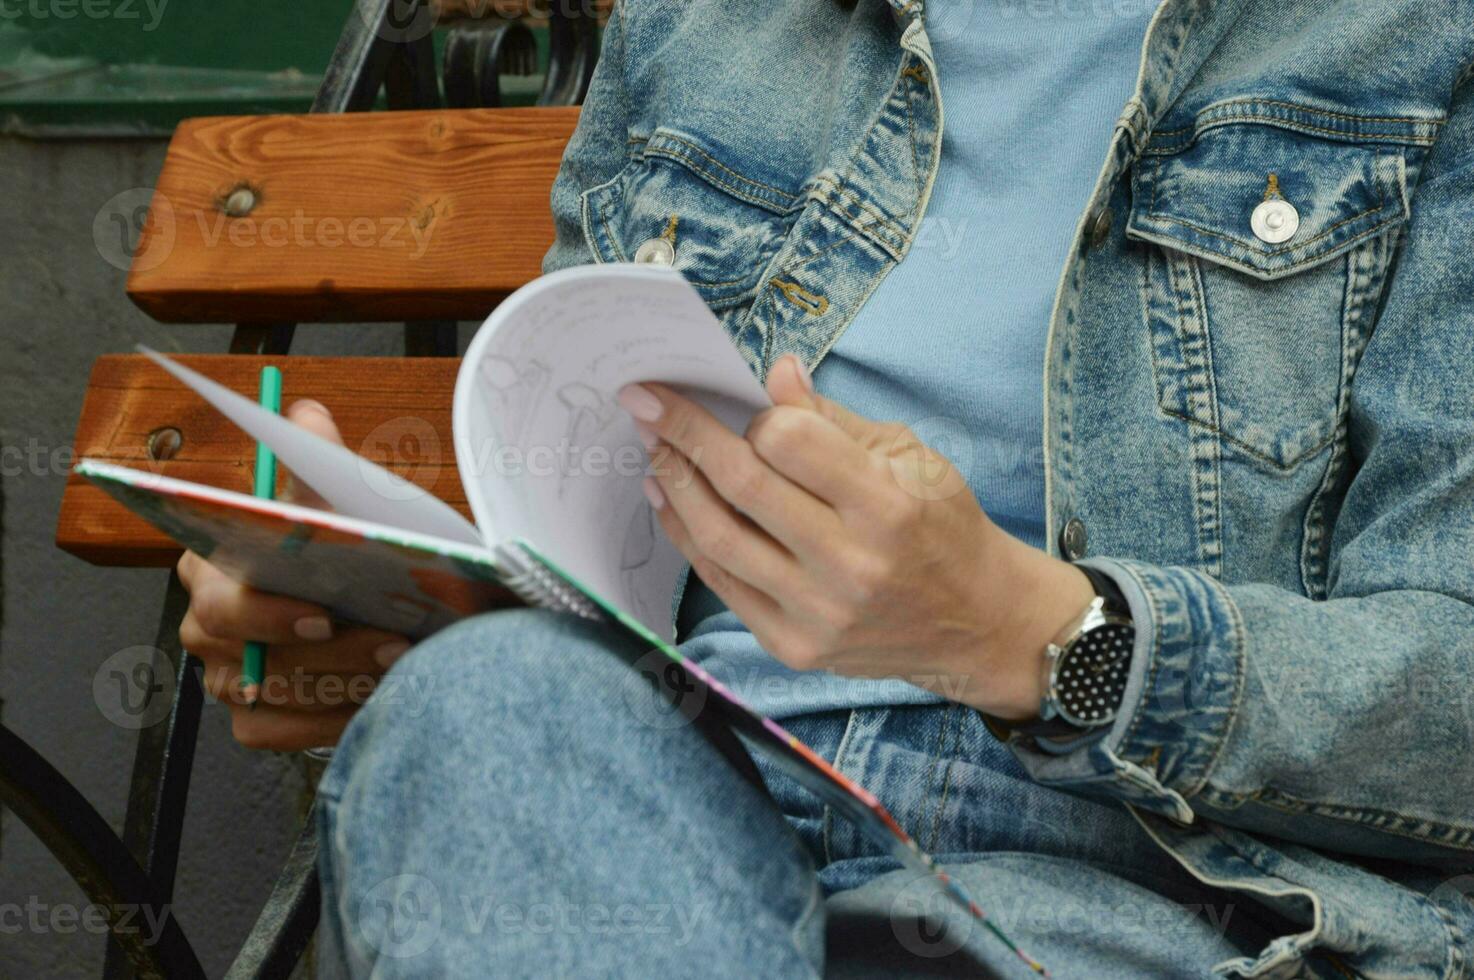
(349, 483)
(364, 573)
(545, 451)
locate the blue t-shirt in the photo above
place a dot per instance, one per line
(952, 341)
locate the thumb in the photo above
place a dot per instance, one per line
(789, 384)
(315, 418)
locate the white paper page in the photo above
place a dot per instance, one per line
(544, 449)
(350, 484)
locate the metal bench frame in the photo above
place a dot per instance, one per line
(386, 45)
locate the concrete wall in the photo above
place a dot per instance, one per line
(61, 305)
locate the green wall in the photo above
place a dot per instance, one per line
(129, 68)
(260, 35)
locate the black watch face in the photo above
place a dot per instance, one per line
(1090, 682)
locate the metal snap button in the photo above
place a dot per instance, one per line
(657, 251)
(1100, 227)
(1275, 220)
(1073, 540)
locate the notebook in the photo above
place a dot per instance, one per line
(552, 469)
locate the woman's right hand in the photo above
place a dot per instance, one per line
(318, 672)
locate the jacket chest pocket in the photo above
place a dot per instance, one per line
(680, 202)
(1272, 248)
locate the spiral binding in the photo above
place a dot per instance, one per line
(537, 586)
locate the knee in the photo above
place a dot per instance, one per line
(482, 694)
(500, 658)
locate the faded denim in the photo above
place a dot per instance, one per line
(539, 815)
(1271, 446)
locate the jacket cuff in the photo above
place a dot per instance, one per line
(1187, 675)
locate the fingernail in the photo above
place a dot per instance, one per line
(390, 652)
(803, 373)
(313, 405)
(654, 494)
(640, 402)
(648, 437)
(314, 628)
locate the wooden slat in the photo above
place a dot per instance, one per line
(374, 216)
(395, 411)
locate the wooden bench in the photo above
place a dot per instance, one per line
(253, 223)
(135, 413)
(481, 183)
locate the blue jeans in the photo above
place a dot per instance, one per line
(511, 803)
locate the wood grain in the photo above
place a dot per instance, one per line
(395, 411)
(365, 217)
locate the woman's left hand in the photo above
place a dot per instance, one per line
(848, 545)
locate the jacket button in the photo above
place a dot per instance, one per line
(1275, 220)
(1073, 540)
(1099, 227)
(657, 251)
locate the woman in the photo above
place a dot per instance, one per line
(1238, 429)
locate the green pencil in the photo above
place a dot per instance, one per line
(253, 663)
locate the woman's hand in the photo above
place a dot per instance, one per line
(318, 673)
(848, 545)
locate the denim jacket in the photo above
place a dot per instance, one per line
(1267, 440)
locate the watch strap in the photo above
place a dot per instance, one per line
(1056, 727)
(1107, 589)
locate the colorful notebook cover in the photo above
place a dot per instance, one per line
(416, 584)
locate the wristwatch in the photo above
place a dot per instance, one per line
(1086, 669)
